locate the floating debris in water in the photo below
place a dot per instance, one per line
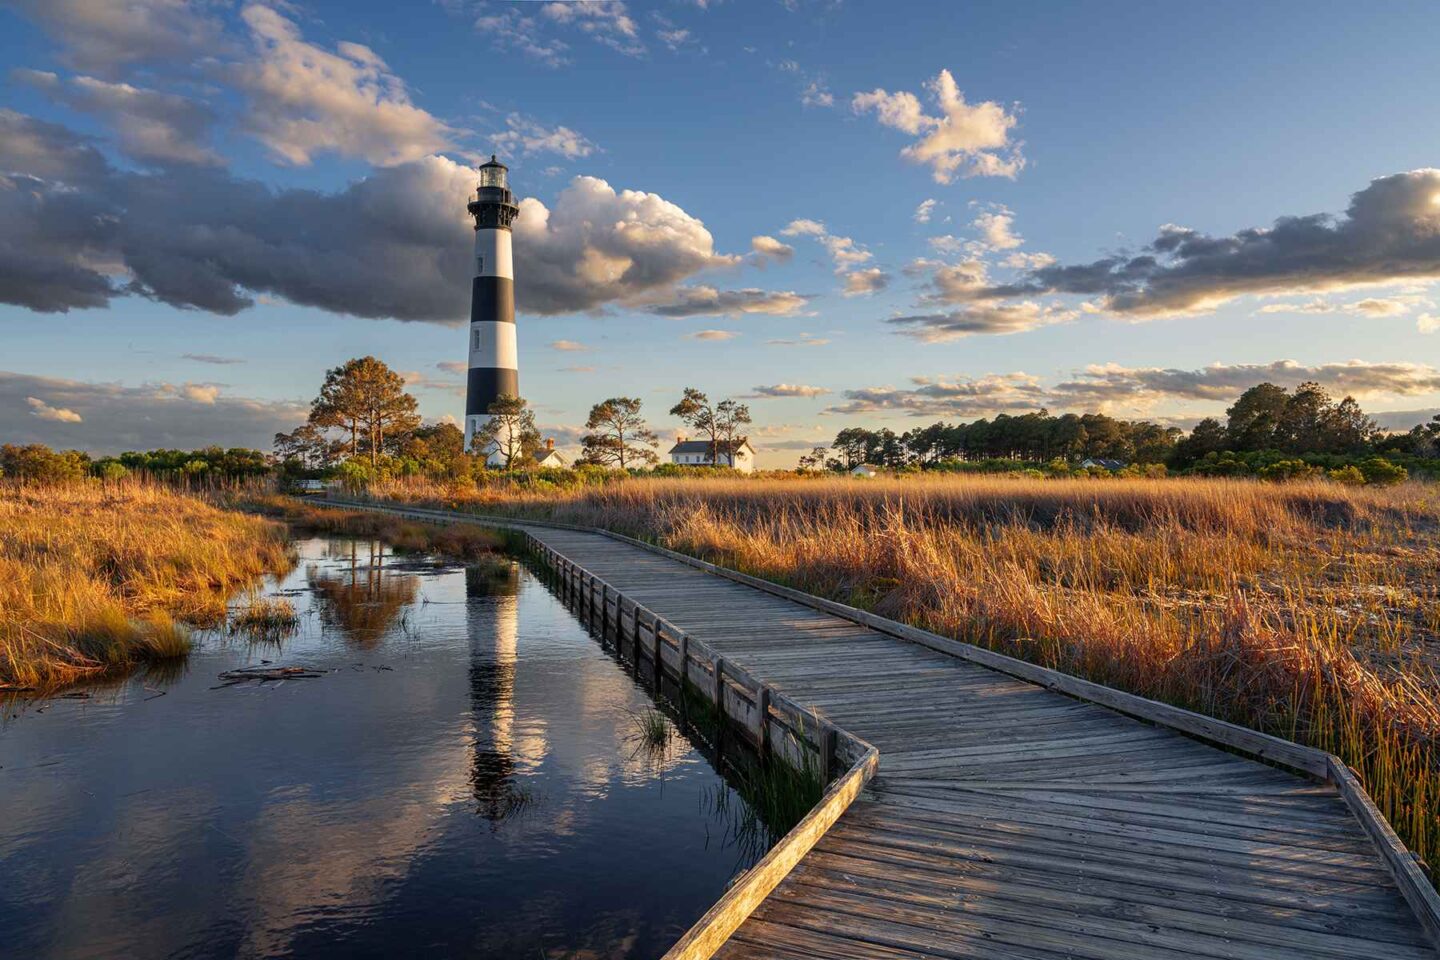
(265, 674)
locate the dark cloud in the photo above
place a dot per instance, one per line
(980, 318)
(104, 37)
(1389, 233)
(962, 396)
(75, 232)
(211, 358)
(110, 417)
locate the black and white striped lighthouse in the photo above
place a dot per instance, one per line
(494, 365)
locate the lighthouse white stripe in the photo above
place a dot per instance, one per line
(492, 254)
(492, 344)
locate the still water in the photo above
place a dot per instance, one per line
(464, 779)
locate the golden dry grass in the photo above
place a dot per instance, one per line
(1311, 611)
(96, 577)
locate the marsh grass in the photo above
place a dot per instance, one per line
(95, 578)
(652, 729)
(268, 619)
(1308, 610)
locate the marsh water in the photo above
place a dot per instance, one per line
(464, 778)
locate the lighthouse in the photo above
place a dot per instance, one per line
(494, 364)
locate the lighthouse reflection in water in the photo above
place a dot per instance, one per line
(461, 780)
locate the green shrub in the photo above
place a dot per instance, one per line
(1349, 475)
(1382, 473)
(1283, 471)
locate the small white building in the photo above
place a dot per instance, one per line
(864, 470)
(548, 456)
(696, 453)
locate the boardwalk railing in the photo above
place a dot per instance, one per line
(1401, 864)
(773, 722)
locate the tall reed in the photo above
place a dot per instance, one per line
(95, 577)
(1311, 611)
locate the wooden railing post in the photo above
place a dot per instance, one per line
(762, 703)
(720, 688)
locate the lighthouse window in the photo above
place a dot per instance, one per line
(476, 337)
(479, 266)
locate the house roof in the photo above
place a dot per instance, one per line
(703, 446)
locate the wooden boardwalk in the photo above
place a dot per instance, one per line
(1010, 821)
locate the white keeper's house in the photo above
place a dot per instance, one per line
(696, 453)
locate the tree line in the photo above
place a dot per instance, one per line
(1266, 425)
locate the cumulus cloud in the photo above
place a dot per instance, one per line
(1427, 323)
(149, 125)
(782, 390)
(814, 90)
(525, 135)
(599, 246)
(104, 38)
(705, 301)
(75, 233)
(304, 100)
(965, 139)
(1389, 233)
(981, 318)
(111, 417)
(767, 248)
(996, 229)
(863, 283)
(712, 335)
(568, 346)
(1370, 306)
(39, 408)
(924, 211)
(455, 367)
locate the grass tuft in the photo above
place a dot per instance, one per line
(98, 577)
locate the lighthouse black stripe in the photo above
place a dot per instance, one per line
(492, 298)
(488, 384)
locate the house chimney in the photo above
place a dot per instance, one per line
(680, 438)
(549, 443)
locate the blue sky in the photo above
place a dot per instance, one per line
(1037, 137)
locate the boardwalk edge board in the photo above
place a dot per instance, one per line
(1399, 862)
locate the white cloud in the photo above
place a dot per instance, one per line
(767, 248)
(599, 246)
(39, 408)
(782, 390)
(303, 100)
(707, 301)
(568, 346)
(966, 139)
(674, 38)
(843, 250)
(924, 211)
(525, 135)
(997, 229)
(149, 125)
(862, 283)
(712, 335)
(1427, 323)
(607, 22)
(511, 30)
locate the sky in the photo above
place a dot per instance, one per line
(845, 213)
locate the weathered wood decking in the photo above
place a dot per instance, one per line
(1010, 821)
